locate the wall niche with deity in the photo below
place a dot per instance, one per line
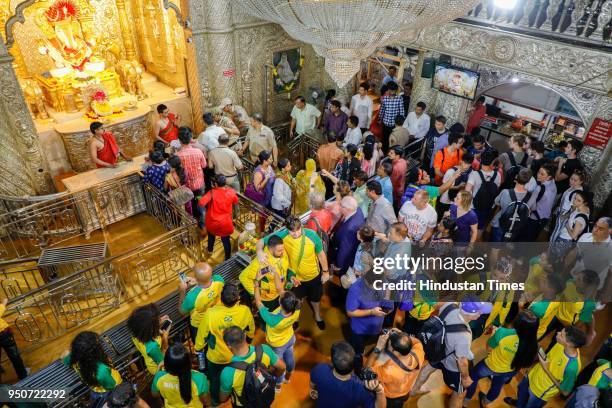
(80, 61)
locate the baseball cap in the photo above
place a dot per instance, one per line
(225, 102)
(474, 307)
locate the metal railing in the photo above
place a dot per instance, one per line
(120, 349)
(19, 277)
(53, 308)
(26, 230)
(570, 21)
(250, 211)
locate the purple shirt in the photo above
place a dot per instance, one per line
(336, 124)
(464, 224)
(362, 297)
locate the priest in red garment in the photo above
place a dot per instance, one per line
(103, 147)
(166, 128)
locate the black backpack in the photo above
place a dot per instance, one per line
(485, 196)
(258, 390)
(513, 220)
(433, 335)
(514, 169)
(321, 233)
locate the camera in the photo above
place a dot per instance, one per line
(367, 375)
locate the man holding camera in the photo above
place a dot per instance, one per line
(337, 386)
(396, 360)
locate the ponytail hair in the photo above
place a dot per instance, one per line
(177, 362)
(526, 326)
(175, 163)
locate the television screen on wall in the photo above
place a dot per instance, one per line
(455, 81)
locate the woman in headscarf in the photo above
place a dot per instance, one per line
(307, 181)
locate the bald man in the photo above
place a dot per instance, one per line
(200, 297)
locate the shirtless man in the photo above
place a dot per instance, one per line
(166, 128)
(103, 147)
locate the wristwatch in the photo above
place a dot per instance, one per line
(325, 271)
(377, 350)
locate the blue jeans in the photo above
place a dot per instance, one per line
(481, 370)
(526, 399)
(497, 234)
(285, 353)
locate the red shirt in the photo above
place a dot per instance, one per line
(324, 218)
(193, 161)
(475, 118)
(110, 152)
(218, 203)
(398, 177)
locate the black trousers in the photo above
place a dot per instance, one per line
(227, 245)
(359, 343)
(386, 134)
(213, 372)
(7, 342)
(397, 402)
(197, 211)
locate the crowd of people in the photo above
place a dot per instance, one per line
(366, 201)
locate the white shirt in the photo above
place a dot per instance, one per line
(281, 195)
(417, 126)
(362, 107)
(210, 137)
(417, 221)
(353, 136)
(444, 199)
(305, 119)
(572, 222)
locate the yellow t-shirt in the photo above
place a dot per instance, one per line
(279, 328)
(267, 286)
(565, 369)
(599, 379)
(302, 253)
(199, 299)
(504, 344)
(217, 319)
(233, 379)
(3, 323)
(167, 385)
(151, 352)
(572, 309)
(545, 310)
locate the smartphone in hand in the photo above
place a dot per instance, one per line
(165, 325)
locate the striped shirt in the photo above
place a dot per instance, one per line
(193, 161)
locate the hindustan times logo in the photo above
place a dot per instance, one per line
(413, 264)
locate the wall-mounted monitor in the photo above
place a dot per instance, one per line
(455, 81)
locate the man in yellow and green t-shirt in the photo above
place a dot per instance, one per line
(278, 264)
(232, 377)
(218, 318)
(500, 364)
(546, 305)
(304, 249)
(557, 373)
(202, 296)
(280, 324)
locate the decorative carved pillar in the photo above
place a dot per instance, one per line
(421, 87)
(220, 57)
(126, 31)
(191, 66)
(20, 157)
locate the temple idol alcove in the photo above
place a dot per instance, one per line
(113, 61)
